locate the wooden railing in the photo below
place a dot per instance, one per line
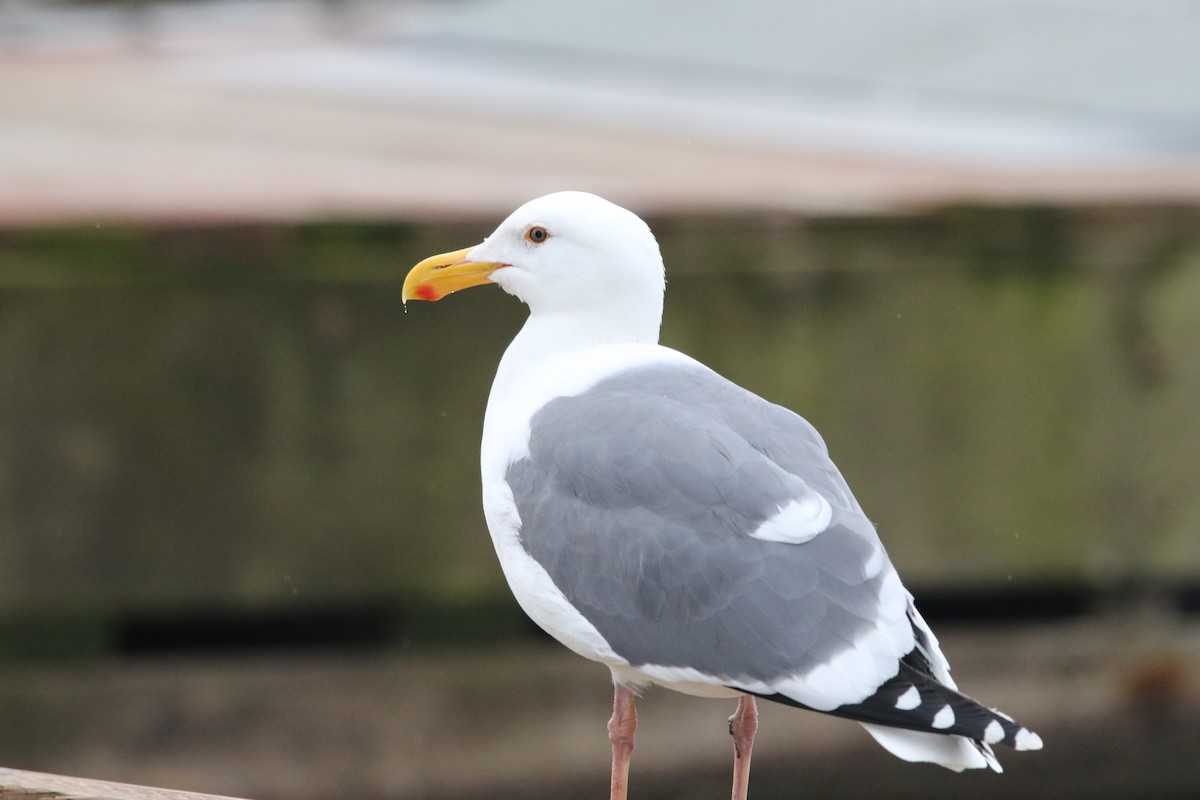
(17, 784)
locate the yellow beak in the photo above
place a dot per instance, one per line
(438, 276)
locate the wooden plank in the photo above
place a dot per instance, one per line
(17, 784)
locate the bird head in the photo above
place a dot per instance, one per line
(568, 252)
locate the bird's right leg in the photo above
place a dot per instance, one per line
(620, 732)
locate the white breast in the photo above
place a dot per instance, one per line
(522, 386)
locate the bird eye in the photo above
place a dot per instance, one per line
(537, 234)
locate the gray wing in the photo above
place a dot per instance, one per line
(640, 497)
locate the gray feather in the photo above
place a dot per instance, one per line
(639, 496)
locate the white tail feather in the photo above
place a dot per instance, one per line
(951, 752)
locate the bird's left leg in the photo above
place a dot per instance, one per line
(742, 727)
(620, 732)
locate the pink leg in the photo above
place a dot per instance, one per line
(620, 732)
(742, 727)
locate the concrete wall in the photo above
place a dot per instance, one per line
(247, 418)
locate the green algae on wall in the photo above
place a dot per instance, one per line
(248, 417)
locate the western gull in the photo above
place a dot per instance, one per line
(659, 519)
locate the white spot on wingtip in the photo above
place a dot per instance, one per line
(994, 732)
(1027, 740)
(944, 718)
(909, 700)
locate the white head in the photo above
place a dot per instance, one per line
(565, 253)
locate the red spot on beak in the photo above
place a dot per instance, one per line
(426, 292)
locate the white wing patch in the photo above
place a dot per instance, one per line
(856, 673)
(798, 521)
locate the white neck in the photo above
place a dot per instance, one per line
(550, 333)
(545, 350)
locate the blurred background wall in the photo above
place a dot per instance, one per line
(241, 548)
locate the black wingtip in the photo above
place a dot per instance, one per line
(919, 702)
